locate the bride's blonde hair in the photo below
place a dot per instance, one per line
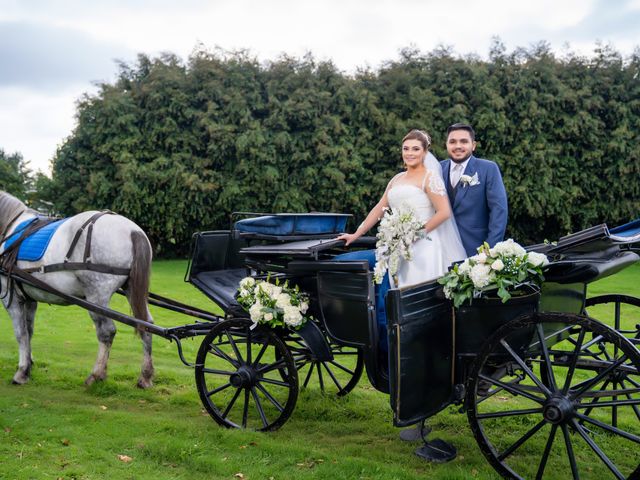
(422, 137)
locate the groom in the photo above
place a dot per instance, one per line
(475, 188)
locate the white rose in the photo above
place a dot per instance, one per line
(537, 259)
(304, 306)
(465, 267)
(247, 282)
(283, 300)
(268, 317)
(479, 275)
(481, 257)
(255, 312)
(497, 265)
(292, 316)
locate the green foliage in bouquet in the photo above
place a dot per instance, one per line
(504, 268)
(274, 305)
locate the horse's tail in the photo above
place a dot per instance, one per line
(139, 276)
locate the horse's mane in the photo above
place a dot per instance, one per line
(10, 209)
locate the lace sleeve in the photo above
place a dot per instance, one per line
(436, 185)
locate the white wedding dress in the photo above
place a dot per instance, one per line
(432, 256)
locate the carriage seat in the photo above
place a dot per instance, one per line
(221, 286)
(287, 225)
(32, 247)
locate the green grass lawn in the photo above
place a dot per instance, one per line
(55, 427)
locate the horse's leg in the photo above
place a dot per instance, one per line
(105, 331)
(22, 315)
(146, 372)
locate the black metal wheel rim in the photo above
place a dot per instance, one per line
(540, 396)
(338, 376)
(246, 377)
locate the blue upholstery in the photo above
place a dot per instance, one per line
(34, 246)
(630, 229)
(293, 224)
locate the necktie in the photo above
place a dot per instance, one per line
(456, 173)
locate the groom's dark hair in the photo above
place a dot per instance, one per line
(462, 126)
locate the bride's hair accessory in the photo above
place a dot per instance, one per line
(419, 135)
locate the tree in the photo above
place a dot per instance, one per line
(15, 176)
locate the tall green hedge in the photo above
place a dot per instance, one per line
(179, 146)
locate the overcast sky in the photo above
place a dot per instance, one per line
(51, 52)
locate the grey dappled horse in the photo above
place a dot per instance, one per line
(117, 244)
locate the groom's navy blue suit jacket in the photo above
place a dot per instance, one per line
(480, 210)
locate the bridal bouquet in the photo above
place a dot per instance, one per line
(398, 230)
(273, 304)
(504, 268)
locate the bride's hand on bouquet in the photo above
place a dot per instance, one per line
(348, 238)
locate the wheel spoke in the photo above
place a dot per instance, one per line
(260, 354)
(597, 450)
(598, 378)
(341, 367)
(512, 388)
(248, 356)
(231, 403)
(245, 408)
(308, 377)
(627, 394)
(570, 454)
(320, 378)
(222, 354)
(522, 440)
(333, 377)
(272, 381)
(612, 403)
(509, 413)
(547, 359)
(270, 397)
(547, 450)
(232, 342)
(526, 369)
(219, 389)
(217, 372)
(256, 399)
(272, 366)
(609, 428)
(574, 360)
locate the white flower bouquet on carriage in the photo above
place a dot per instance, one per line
(272, 304)
(398, 230)
(504, 268)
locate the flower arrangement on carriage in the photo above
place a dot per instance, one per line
(503, 269)
(273, 304)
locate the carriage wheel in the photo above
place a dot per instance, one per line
(334, 377)
(561, 428)
(621, 312)
(246, 377)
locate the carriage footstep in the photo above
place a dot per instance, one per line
(437, 451)
(415, 433)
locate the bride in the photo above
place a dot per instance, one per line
(420, 188)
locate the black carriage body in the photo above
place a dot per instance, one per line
(432, 346)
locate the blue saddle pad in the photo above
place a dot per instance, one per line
(33, 247)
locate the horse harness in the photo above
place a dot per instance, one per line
(10, 256)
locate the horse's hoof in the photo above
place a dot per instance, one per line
(91, 379)
(19, 379)
(144, 383)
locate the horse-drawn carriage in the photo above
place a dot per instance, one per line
(546, 387)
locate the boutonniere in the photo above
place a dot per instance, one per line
(469, 180)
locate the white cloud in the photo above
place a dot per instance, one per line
(34, 124)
